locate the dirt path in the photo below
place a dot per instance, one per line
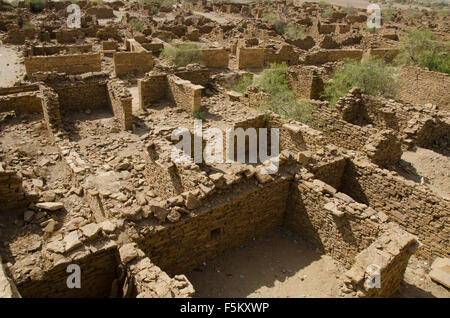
(278, 265)
(10, 67)
(433, 166)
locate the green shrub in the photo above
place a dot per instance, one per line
(324, 3)
(421, 48)
(387, 14)
(37, 5)
(279, 27)
(74, 50)
(154, 10)
(182, 54)
(269, 17)
(282, 99)
(198, 114)
(137, 25)
(244, 82)
(327, 13)
(372, 75)
(295, 32)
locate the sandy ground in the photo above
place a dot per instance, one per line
(433, 166)
(10, 67)
(278, 265)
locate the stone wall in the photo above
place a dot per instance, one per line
(330, 220)
(385, 53)
(185, 94)
(414, 207)
(387, 257)
(251, 211)
(325, 56)
(22, 103)
(98, 270)
(12, 194)
(52, 50)
(69, 64)
(120, 101)
(250, 57)
(420, 86)
(215, 58)
(132, 62)
(80, 96)
(305, 81)
(51, 109)
(151, 89)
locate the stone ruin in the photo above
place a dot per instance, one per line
(87, 177)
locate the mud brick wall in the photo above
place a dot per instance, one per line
(325, 56)
(134, 46)
(331, 172)
(152, 89)
(22, 103)
(390, 254)
(132, 62)
(251, 212)
(69, 64)
(415, 208)
(98, 270)
(284, 54)
(305, 81)
(250, 57)
(121, 103)
(185, 94)
(386, 54)
(341, 237)
(420, 86)
(110, 45)
(323, 28)
(82, 96)
(215, 58)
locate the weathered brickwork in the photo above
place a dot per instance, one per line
(132, 62)
(69, 64)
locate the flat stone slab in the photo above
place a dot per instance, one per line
(440, 271)
(50, 206)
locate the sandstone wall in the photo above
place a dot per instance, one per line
(334, 223)
(12, 194)
(185, 94)
(325, 56)
(215, 58)
(52, 50)
(415, 208)
(152, 89)
(420, 86)
(132, 62)
(82, 95)
(387, 257)
(22, 103)
(69, 64)
(121, 101)
(305, 81)
(98, 270)
(235, 219)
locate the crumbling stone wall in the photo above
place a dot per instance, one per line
(51, 109)
(414, 207)
(12, 194)
(330, 220)
(69, 64)
(387, 257)
(152, 89)
(129, 62)
(98, 270)
(52, 50)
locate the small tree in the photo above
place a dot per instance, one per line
(371, 74)
(421, 48)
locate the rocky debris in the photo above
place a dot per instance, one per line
(128, 252)
(90, 230)
(384, 148)
(191, 201)
(159, 211)
(72, 240)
